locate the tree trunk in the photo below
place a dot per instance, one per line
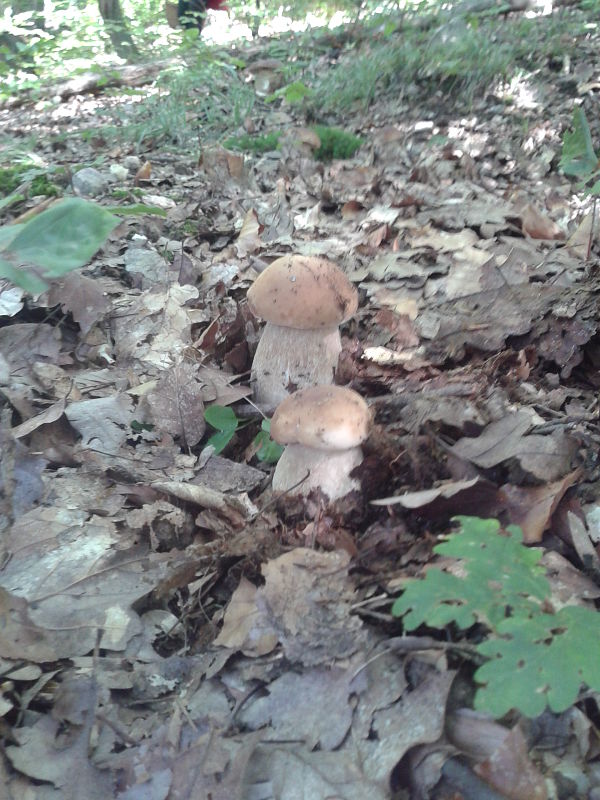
(117, 29)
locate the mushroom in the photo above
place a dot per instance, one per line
(322, 428)
(303, 300)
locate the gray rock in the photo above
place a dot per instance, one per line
(133, 163)
(88, 182)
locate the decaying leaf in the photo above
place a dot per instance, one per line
(545, 457)
(313, 629)
(176, 403)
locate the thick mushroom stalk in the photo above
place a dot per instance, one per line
(322, 428)
(287, 359)
(301, 469)
(303, 300)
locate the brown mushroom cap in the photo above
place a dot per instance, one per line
(323, 417)
(303, 292)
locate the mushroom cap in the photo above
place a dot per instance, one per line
(303, 292)
(323, 417)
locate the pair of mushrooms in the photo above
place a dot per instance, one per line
(304, 300)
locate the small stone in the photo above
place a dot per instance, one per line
(119, 172)
(133, 163)
(88, 182)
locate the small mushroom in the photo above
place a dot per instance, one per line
(322, 428)
(303, 300)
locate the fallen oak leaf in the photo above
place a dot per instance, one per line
(538, 225)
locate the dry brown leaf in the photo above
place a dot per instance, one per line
(248, 240)
(510, 770)
(545, 457)
(538, 225)
(245, 626)
(579, 242)
(143, 173)
(51, 414)
(20, 638)
(104, 422)
(154, 327)
(290, 768)
(80, 295)
(394, 729)
(79, 578)
(47, 756)
(221, 165)
(503, 754)
(176, 404)
(313, 706)
(532, 507)
(316, 627)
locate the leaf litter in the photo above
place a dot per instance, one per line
(168, 631)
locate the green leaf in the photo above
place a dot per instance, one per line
(293, 93)
(595, 190)
(537, 659)
(268, 450)
(578, 157)
(222, 418)
(63, 237)
(540, 661)
(138, 426)
(500, 574)
(220, 440)
(11, 199)
(7, 234)
(26, 280)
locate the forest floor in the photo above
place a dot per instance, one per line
(169, 630)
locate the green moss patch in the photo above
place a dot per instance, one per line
(254, 144)
(335, 143)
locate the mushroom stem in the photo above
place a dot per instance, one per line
(327, 471)
(287, 359)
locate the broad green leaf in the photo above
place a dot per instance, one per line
(268, 450)
(220, 440)
(7, 234)
(222, 418)
(578, 157)
(26, 280)
(63, 237)
(595, 190)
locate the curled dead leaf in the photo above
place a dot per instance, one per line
(143, 173)
(538, 225)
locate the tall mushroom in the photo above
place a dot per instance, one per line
(303, 300)
(322, 428)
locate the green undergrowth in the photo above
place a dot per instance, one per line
(537, 654)
(136, 210)
(253, 144)
(335, 143)
(226, 423)
(28, 180)
(193, 104)
(462, 55)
